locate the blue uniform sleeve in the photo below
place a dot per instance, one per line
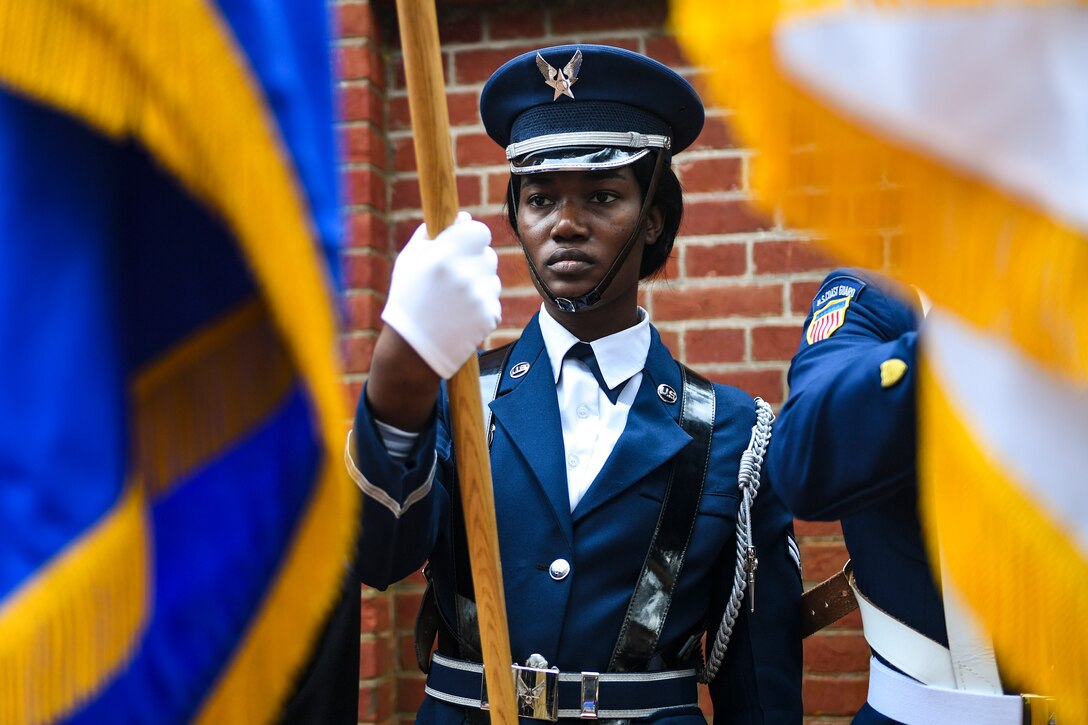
(404, 503)
(845, 438)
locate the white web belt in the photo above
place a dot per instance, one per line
(908, 701)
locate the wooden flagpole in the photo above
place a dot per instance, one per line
(438, 187)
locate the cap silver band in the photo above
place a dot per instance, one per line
(569, 165)
(622, 139)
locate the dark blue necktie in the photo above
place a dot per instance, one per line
(582, 351)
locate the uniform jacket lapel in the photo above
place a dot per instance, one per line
(652, 435)
(527, 412)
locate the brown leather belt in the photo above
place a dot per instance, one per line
(826, 603)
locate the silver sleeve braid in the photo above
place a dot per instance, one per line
(751, 462)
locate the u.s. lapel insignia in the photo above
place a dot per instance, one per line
(827, 319)
(561, 80)
(666, 393)
(520, 369)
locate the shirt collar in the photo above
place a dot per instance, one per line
(619, 355)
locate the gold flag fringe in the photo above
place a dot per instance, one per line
(994, 259)
(1025, 568)
(169, 75)
(77, 620)
(206, 393)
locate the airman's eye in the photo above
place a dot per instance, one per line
(604, 197)
(537, 200)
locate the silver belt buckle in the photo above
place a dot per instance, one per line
(536, 689)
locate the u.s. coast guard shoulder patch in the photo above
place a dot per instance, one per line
(830, 306)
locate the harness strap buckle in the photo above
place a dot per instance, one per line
(590, 683)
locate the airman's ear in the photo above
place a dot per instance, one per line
(654, 223)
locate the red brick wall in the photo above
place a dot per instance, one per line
(737, 288)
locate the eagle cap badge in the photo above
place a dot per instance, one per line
(561, 80)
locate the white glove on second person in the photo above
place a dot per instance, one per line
(444, 293)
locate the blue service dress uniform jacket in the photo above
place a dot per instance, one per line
(574, 622)
(845, 447)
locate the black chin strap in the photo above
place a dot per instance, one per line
(576, 304)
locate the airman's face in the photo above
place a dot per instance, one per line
(573, 225)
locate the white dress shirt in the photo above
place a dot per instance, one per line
(591, 423)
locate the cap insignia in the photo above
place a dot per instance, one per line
(561, 80)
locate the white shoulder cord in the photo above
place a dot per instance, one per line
(751, 463)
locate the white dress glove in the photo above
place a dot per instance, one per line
(444, 293)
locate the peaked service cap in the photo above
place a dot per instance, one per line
(586, 107)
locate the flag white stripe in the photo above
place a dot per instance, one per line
(999, 92)
(1033, 424)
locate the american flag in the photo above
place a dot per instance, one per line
(826, 320)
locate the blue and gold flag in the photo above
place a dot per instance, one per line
(173, 520)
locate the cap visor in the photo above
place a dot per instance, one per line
(575, 159)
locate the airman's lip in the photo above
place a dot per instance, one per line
(569, 255)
